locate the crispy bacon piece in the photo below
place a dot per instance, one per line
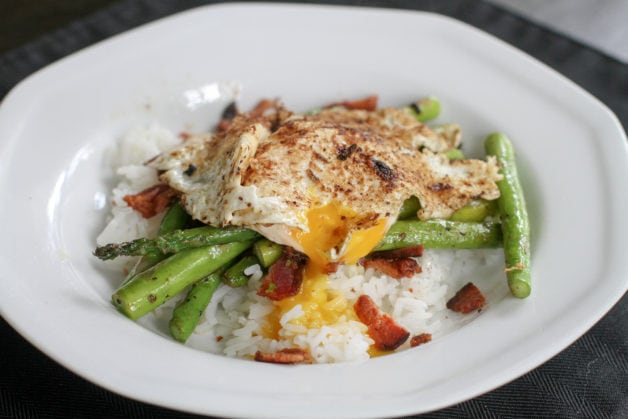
(151, 201)
(184, 135)
(469, 298)
(284, 276)
(404, 252)
(262, 106)
(386, 333)
(368, 103)
(397, 263)
(231, 111)
(331, 268)
(420, 339)
(223, 125)
(285, 356)
(396, 268)
(227, 116)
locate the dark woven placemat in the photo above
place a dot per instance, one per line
(589, 379)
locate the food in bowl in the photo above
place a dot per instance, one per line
(324, 236)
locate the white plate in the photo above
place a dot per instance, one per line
(56, 126)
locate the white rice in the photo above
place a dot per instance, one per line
(126, 159)
(234, 320)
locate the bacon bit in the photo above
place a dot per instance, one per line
(368, 103)
(404, 252)
(469, 298)
(219, 338)
(285, 356)
(396, 268)
(232, 111)
(386, 333)
(184, 135)
(420, 339)
(331, 268)
(227, 116)
(151, 201)
(223, 125)
(262, 106)
(284, 276)
(397, 263)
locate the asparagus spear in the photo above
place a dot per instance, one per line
(426, 109)
(234, 276)
(441, 234)
(476, 210)
(176, 241)
(187, 314)
(454, 154)
(175, 218)
(267, 252)
(409, 208)
(159, 283)
(514, 216)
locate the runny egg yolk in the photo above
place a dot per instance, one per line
(330, 226)
(329, 229)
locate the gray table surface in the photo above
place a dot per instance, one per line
(602, 24)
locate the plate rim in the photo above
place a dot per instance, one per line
(25, 84)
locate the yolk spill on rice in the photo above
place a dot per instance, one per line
(374, 352)
(329, 227)
(320, 305)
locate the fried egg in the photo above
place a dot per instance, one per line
(329, 184)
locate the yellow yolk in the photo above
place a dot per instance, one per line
(374, 352)
(330, 228)
(320, 304)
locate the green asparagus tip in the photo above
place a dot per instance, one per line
(426, 109)
(454, 154)
(519, 289)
